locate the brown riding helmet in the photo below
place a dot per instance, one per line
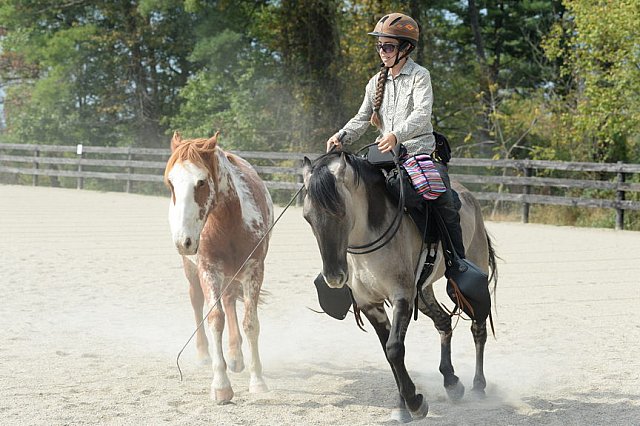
(399, 26)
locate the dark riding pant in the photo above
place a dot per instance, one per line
(447, 205)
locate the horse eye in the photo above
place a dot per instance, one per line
(200, 183)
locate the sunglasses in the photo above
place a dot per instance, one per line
(386, 47)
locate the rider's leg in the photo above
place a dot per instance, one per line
(414, 203)
(448, 206)
(419, 216)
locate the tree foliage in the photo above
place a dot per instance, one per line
(599, 49)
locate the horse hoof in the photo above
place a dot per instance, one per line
(223, 396)
(400, 415)
(455, 392)
(478, 393)
(236, 365)
(422, 411)
(258, 386)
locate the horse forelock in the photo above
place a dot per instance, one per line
(200, 152)
(322, 187)
(323, 191)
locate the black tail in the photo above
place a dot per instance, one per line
(493, 267)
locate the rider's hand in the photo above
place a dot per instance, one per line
(387, 142)
(334, 141)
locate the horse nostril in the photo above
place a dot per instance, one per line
(187, 243)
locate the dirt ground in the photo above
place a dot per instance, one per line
(94, 309)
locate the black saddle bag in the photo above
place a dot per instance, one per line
(443, 149)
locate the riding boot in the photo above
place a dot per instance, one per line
(451, 219)
(448, 205)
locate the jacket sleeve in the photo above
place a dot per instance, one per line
(418, 122)
(358, 125)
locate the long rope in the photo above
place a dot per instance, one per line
(234, 277)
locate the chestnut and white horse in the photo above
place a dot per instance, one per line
(219, 211)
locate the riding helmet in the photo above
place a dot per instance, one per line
(399, 26)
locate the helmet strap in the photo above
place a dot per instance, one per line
(401, 47)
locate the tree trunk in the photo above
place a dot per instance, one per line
(474, 21)
(311, 51)
(416, 7)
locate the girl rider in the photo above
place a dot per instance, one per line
(398, 101)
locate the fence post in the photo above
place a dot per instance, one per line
(620, 197)
(80, 181)
(526, 191)
(128, 189)
(36, 165)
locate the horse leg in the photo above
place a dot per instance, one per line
(442, 322)
(221, 390)
(236, 361)
(197, 302)
(394, 350)
(251, 326)
(380, 322)
(479, 332)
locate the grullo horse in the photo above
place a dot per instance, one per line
(219, 211)
(347, 205)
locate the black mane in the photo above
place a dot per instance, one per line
(324, 194)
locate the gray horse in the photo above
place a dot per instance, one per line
(347, 205)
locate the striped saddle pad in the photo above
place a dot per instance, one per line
(424, 176)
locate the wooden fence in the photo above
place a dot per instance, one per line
(525, 182)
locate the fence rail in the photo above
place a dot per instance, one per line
(516, 180)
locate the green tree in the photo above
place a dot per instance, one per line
(94, 72)
(490, 55)
(598, 105)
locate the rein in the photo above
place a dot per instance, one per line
(268, 231)
(394, 226)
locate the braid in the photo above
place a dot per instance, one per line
(377, 101)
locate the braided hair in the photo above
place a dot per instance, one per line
(377, 100)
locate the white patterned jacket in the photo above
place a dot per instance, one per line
(405, 110)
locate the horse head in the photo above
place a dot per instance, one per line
(191, 175)
(341, 210)
(325, 209)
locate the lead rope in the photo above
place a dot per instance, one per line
(234, 276)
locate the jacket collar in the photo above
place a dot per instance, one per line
(407, 69)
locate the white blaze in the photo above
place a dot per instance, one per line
(184, 215)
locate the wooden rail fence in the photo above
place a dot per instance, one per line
(525, 182)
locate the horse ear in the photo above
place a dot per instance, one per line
(341, 166)
(175, 140)
(306, 170)
(213, 140)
